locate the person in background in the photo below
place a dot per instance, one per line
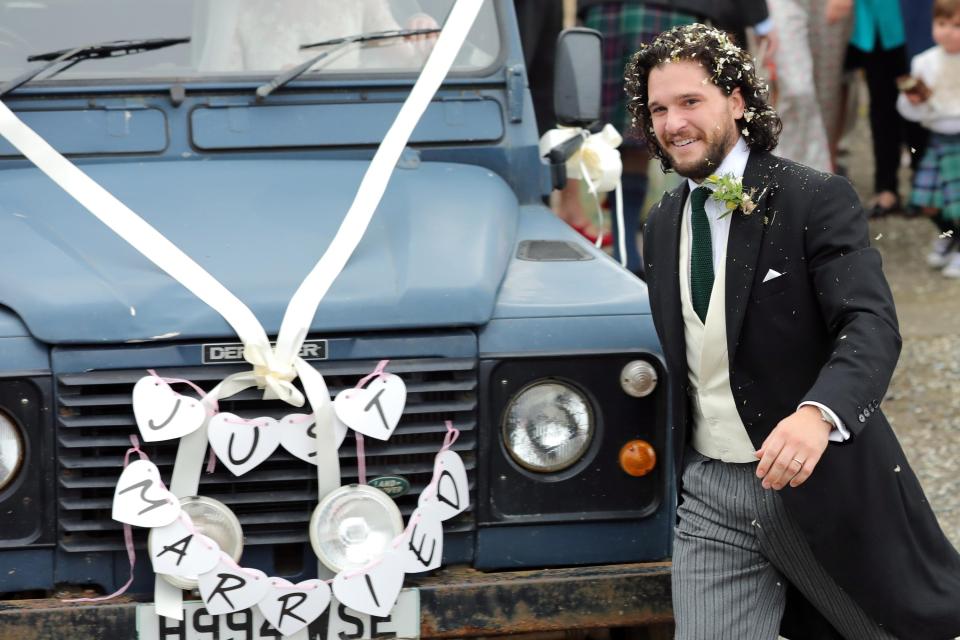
(625, 26)
(930, 95)
(541, 21)
(917, 18)
(263, 35)
(877, 45)
(809, 77)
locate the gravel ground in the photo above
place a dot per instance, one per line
(923, 401)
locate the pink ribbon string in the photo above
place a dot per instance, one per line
(412, 522)
(187, 522)
(127, 533)
(376, 373)
(361, 459)
(361, 456)
(135, 448)
(452, 434)
(170, 381)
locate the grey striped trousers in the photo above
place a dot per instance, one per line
(735, 549)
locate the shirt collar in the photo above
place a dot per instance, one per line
(735, 163)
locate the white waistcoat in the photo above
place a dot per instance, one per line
(718, 431)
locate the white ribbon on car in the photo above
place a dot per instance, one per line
(273, 369)
(597, 163)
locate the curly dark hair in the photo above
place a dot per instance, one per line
(726, 64)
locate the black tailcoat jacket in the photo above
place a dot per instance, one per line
(825, 331)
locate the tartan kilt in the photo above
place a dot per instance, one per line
(937, 181)
(625, 26)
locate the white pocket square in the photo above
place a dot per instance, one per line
(771, 274)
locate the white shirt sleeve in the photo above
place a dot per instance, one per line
(839, 433)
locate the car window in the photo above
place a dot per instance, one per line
(231, 37)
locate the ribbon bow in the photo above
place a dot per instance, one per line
(597, 162)
(274, 377)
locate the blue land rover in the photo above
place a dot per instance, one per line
(538, 347)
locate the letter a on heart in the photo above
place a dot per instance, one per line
(179, 550)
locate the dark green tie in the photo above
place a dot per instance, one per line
(701, 254)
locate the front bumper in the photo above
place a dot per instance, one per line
(454, 603)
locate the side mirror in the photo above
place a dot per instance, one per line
(577, 77)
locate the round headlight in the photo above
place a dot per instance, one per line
(354, 525)
(548, 426)
(11, 450)
(213, 519)
(638, 378)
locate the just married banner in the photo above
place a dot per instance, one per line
(162, 414)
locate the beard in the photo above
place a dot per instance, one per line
(718, 146)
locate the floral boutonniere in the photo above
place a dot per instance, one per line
(728, 191)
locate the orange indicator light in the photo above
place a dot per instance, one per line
(637, 458)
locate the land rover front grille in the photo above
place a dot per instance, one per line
(275, 500)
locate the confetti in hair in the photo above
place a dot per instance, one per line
(727, 66)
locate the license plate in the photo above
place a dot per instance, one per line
(337, 623)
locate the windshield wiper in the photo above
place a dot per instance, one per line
(337, 44)
(70, 57)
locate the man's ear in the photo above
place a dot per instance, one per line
(737, 103)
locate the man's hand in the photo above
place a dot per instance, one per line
(792, 450)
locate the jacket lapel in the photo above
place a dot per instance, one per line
(743, 246)
(668, 243)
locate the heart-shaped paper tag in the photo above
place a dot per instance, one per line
(422, 544)
(449, 493)
(226, 588)
(290, 608)
(162, 413)
(372, 590)
(298, 435)
(375, 409)
(141, 499)
(179, 550)
(242, 444)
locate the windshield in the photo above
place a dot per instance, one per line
(233, 37)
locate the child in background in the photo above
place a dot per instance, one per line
(931, 96)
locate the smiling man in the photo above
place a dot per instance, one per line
(798, 510)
